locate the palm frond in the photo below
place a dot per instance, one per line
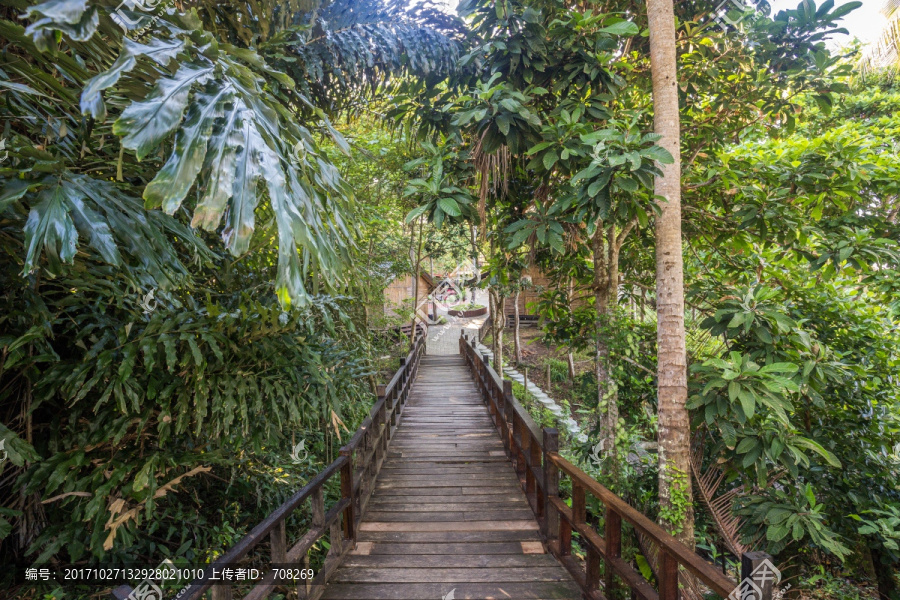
(709, 481)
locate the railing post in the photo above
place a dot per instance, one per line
(551, 484)
(755, 569)
(485, 377)
(579, 509)
(592, 560)
(525, 440)
(613, 537)
(535, 462)
(403, 372)
(668, 576)
(515, 425)
(347, 492)
(504, 406)
(592, 570)
(317, 510)
(278, 544)
(519, 436)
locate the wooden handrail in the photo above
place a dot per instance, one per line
(535, 456)
(357, 466)
(485, 328)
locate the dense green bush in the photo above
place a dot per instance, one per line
(140, 412)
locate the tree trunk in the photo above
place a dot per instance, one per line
(494, 310)
(516, 341)
(601, 358)
(477, 268)
(885, 574)
(416, 272)
(498, 358)
(571, 357)
(676, 512)
(641, 304)
(498, 323)
(614, 244)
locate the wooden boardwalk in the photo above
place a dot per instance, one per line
(448, 518)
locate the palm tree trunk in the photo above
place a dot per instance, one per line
(674, 424)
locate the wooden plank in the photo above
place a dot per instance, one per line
(471, 548)
(448, 537)
(404, 575)
(451, 561)
(500, 497)
(462, 480)
(441, 470)
(426, 516)
(462, 591)
(450, 526)
(480, 485)
(413, 492)
(417, 507)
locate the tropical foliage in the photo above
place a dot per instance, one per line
(201, 204)
(177, 237)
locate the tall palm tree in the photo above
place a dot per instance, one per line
(885, 52)
(674, 424)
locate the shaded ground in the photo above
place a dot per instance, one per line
(535, 357)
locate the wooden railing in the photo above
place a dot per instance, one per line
(485, 328)
(406, 330)
(357, 466)
(524, 320)
(535, 455)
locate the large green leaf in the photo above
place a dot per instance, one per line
(449, 206)
(50, 225)
(11, 191)
(159, 50)
(621, 28)
(173, 182)
(218, 171)
(72, 17)
(68, 205)
(93, 225)
(144, 124)
(240, 220)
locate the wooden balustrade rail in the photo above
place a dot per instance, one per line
(357, 466)
(535, 456)
(485, 328)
